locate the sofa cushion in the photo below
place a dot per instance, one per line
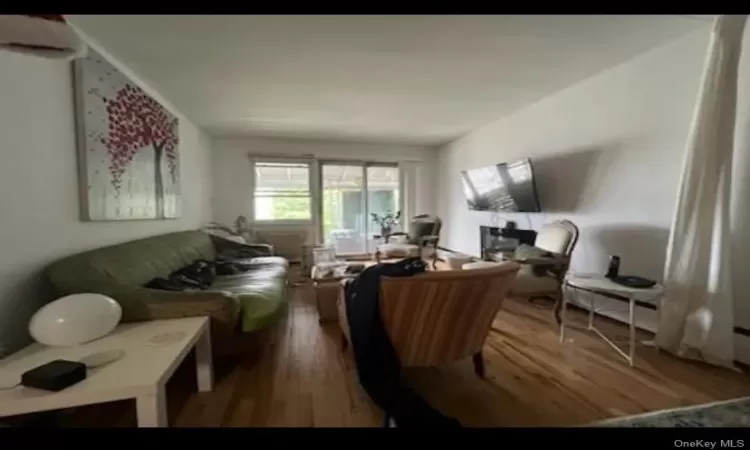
(132, 263)
(256, 273)
(120, 271)
(265, 261)
(261, 294)
(525, 251)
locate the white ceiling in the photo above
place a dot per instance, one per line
(419, 78)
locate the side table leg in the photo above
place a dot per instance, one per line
(204, 362)
(563, 310)
(151, 410)
(631, 320)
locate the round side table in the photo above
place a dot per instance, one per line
(594, 286)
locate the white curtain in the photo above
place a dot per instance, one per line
(696, 318)
(408, 172)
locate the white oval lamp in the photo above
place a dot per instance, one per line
(75, 319)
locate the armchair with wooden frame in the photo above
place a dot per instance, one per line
(424, 233)
(543, 276)
(438, 317)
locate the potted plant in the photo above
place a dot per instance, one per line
(386, 221)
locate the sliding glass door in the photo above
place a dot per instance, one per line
(350, 192)
(382, 197)
(343, 211)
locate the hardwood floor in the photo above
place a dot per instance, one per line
(297, 376)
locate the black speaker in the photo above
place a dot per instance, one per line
(55, 375)
(614, 267)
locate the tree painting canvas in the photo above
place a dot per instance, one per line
(128, 146)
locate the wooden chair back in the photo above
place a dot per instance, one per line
(559, 237)
(439, 317)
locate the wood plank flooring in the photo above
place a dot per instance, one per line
(298, 377)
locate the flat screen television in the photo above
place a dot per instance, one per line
(506, 187)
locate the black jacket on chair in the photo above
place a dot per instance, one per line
(378, 367)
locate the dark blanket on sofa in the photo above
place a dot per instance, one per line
(378, 367)
(198, 275)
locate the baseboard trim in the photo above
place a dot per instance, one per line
(741, 331)
(743, 366)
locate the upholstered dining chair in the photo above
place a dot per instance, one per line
(423, 227)
(544, 265)
(424, 233)
(438, 317)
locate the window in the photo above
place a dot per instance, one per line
(282, 191)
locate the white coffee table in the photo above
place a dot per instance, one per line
(598, 285)
(141, 374)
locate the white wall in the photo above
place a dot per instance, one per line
(39, 207)
(608, 154)
(232, 171)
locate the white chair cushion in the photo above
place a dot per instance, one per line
(527, 283)
(525, 251)
(399, 249)
(456, 260)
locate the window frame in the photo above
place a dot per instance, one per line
(311, 169)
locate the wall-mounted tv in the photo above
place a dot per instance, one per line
(506, 187)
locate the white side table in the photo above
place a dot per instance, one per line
(153, 351)
(594, 286)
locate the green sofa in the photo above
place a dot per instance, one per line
(246, 302)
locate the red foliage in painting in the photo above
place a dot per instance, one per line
(138, 121)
